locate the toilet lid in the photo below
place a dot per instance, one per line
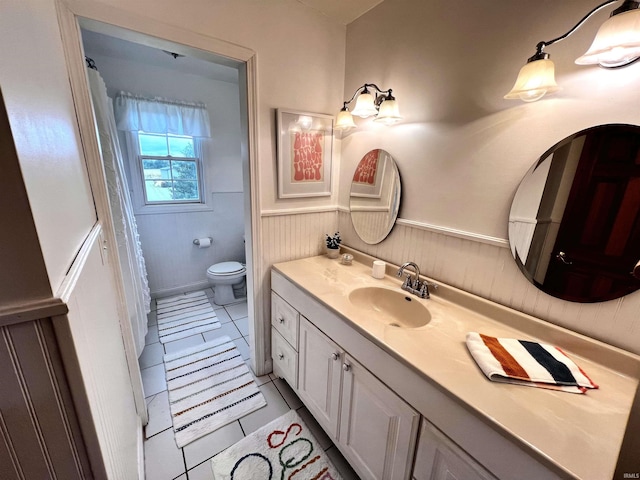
(226, 268)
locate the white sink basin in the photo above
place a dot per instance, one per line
(393, 307)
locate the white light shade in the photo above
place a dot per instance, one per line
(388, 113)
(617, 42)
(535, 79)
(364, 106)
(344, 120)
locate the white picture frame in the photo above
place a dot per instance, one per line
(304, 151)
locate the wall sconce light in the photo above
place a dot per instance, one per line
(616, 44)
(384, 106)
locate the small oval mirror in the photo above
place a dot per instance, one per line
(574, 225)
(375, 196)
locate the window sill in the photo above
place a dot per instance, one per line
(171, 209)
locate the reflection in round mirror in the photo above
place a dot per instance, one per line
(375, 196)
(574, 225)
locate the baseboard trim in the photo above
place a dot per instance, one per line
(166, 292)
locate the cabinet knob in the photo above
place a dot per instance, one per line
(346, 367)
(281, 319)
(281, 356)
(335, 356)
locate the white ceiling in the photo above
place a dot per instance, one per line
(98, 44)
(343, 11)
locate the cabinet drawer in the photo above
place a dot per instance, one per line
(285, 319)
(285, 359)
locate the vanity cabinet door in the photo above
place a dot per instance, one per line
(378, 429)
(438, 458)
(319, 377)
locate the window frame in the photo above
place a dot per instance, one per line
(139, 191)
(171, 159)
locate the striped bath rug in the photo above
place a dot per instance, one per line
(184, 315)
(209, 386)
(281, 449)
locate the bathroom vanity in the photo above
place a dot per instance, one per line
(402, 398)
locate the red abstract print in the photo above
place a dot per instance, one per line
(308, 157)
(367, 168)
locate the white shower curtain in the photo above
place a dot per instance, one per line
(132, 263)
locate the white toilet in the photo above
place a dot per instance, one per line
(223, 277)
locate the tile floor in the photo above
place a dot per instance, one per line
(163, 459)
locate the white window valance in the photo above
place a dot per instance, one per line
(160, 115)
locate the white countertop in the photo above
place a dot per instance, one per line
(581, 434)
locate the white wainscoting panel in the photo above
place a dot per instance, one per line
(39, 432)
(286, 237)
(488, 270)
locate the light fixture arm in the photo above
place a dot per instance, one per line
(365, 89)
(616, 44)
(627, 5)
(371, 101)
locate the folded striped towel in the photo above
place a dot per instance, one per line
(527, 363)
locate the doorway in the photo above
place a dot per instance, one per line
(147, 32)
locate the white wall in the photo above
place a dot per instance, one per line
(43, 122)
(42, 117)
(300, 56)
(173, 262)
(462, 149)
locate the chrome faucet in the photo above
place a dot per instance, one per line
(417, 287)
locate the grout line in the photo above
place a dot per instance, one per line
(158, 433)
(211, 457)
(149, 366)
(184, 463)
(284, 399)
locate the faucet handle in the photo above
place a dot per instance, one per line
(423, 291)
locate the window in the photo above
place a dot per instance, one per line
(171, 170)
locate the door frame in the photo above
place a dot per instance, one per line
(132, 27)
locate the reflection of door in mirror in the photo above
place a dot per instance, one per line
(375, 196)
(584, 239)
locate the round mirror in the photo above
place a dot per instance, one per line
(375, 196)
(574, 225)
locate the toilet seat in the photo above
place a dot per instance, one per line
(226, 268)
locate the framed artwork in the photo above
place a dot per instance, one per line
(305, 142)
(369, 175)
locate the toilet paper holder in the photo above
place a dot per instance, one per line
(197, 240)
